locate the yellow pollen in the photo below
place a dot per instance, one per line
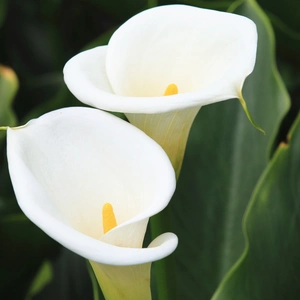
(171, 89)
(108, 217)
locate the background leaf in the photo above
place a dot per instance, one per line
(8, 90)
(43, 277)
(23, 248)
(121, 9)
(71, 279)
(270, 266)
(285, 18)
(3, 4)
(224, 158)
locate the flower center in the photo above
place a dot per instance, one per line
(108, 217)
(171, 89)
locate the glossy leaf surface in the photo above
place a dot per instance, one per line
(270, 265)
(224, 158)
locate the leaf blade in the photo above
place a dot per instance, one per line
(225, 156)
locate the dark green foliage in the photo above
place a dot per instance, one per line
(230, 168)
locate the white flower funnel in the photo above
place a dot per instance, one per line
(68, 164)
(162, 65)
(206, 53)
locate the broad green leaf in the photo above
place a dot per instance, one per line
(270, 265)
(225, 156)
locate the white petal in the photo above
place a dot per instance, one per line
(65, 165)
(208, 54)
(170, 130)
(179, 44)
(88, 71)
(124, 282)
(129, 282)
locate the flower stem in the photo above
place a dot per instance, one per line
(165, 268)
(94, 282)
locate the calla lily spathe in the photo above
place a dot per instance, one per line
(207, 54)
(67, 165)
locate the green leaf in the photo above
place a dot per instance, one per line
(210, 4)
(284, 16)
(8, 88)
(43, 277)
(71, 279)
(270, 265)
(224, 159)
(246, 110)
(23, 248)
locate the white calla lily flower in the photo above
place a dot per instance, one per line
(163, 65)
(91, 181)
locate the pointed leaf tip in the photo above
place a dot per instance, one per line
(244, 105)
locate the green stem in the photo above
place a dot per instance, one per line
(165, 268)
(94, 281)
(170, 130)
